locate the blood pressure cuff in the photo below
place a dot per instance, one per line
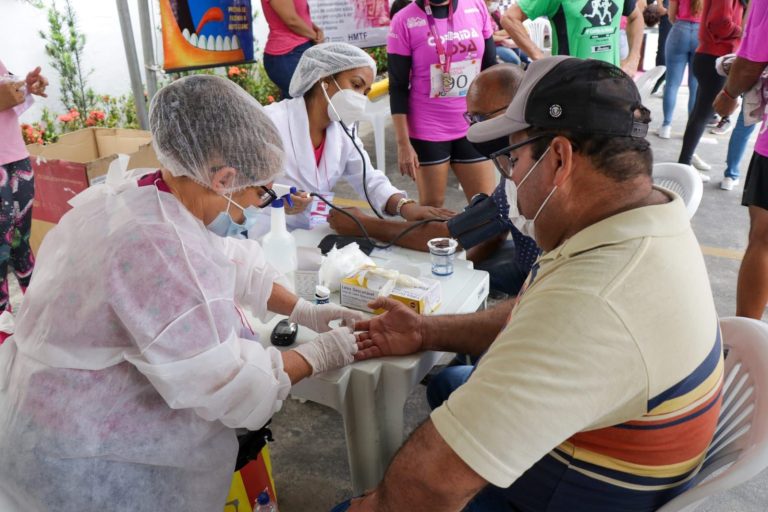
(480, 221)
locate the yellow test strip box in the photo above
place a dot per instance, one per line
(355, 295)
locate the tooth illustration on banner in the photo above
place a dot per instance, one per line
(205, 33)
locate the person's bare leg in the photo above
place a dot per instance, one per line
(479, 177)
(752, 288)
(431, 181)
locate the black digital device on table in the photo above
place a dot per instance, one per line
(284, 333)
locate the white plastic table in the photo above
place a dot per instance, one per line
(370, 395)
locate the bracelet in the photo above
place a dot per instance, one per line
(725, 91)
(402, 202)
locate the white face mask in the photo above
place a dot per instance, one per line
(525, 225)
(346, 105)
(493, 7)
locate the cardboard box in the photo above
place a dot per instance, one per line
(76, 161)
(424, 301)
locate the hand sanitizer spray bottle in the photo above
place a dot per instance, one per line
(279, 245)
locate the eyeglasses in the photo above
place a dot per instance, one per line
(505, 162)
(267, 197)
(479, 118)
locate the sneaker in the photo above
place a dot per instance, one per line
(713, 122)
(728, 183)
(723, 127)
(700, 164)
(665, 131)
(705, 178)
(7, 325)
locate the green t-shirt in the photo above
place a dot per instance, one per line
(588, 29)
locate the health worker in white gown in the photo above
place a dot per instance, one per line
(328, 88)
(128, 373)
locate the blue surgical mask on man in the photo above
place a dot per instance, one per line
(225, 225)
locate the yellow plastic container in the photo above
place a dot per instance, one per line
(379, 89)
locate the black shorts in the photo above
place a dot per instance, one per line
(460, 151)
(756, 185)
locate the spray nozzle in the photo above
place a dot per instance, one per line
(284, 193)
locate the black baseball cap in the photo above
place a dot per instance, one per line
(568, 93)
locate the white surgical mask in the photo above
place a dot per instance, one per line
(493, 7)
(346, 105)
(523, 224)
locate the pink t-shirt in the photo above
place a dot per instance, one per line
(438, 119)
(684, 12)
(319, 151)
(12, 146)
(282, 39)
(753, 48)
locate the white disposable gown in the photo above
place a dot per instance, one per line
(126, 376)
(340, 160)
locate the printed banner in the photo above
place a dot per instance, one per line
(206, 33)
(363, 23)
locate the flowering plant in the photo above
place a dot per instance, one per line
(253, 78)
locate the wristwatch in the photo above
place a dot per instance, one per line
(402, 202)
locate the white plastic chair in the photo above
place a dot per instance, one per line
(647, 80)
(681, 179)
(537, 29)
(377, 112)
(741, 437)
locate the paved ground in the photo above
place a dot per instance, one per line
(309, 452)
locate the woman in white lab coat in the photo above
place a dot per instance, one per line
(129, 369)
(328, 89)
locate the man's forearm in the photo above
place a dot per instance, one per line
(743, 76)
(467, 334)
(443, 481)
(387, 230)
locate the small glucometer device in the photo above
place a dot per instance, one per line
(284, 333)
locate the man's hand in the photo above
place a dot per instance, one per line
(11, 95)
(397, 332)
(343, 225)
(36, 83)
(725, 105)
(301, 200)
(413, 211)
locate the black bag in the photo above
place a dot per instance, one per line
(251, 444)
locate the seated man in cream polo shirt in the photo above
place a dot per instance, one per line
(601, 390)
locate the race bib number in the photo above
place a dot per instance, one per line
(455, 84)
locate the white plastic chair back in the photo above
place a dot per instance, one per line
(536, 28)
(681, 179)
(741, 437)
(647, 80)
(377, 113)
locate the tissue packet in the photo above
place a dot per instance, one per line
(358, 289)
